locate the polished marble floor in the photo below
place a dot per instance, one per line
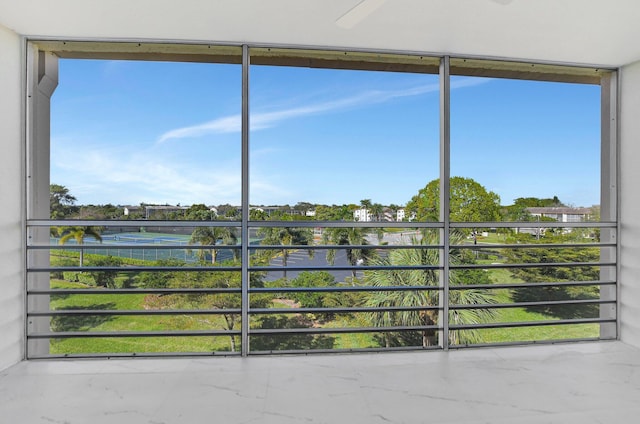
(571, 383)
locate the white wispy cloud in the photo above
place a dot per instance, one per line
(101, 175)
(262, 120)
(226, 124)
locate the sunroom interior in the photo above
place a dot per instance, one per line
(584, 376)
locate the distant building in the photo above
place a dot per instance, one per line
(362, 215)
(149, 211)
(401, 215)
(130, 210)
(559, 214)
(161, 211)
(387, 214)
(562, 213)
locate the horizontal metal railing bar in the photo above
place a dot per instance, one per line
(311, 223)
(533, 224)
(202, 333)
(112, 334)
(345, 246)
(134, 223)
(345, 268)
(139, 246)
(259, 311)
(128, 268)
(310, 351)
(313, 289)
(132, 355)
(342, 350)
(154, 244)
(224, 353)
(115, 312)
(222, 223)
(531, 304)
(488, 246)
(39, 292)
(334, 289)
(342, 289)
(141, 312)
(345, 224)
(525, 343)
(341, 330)
(536, 285)
(132, 268)
(530, 323)
(157, 245)
(69, 312)
(530, 265)
(433, 224)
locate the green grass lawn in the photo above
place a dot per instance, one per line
(524, 334)
(352, 340)
(128, 323)
(517, 315)
(115, 323)
(493, 238)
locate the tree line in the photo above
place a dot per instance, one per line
(469, 202)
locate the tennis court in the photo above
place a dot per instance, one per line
(143, 239)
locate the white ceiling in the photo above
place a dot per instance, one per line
(592, 32)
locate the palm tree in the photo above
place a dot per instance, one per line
(286, 236)
(352, 236)
(420, 298)
(209, 236)
(78, 234)
(377, 210)
(365, 203)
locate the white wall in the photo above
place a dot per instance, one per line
(630, 205)
(11, 184)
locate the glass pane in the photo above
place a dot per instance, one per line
(140, 139)
(340, 144)
(531, 147)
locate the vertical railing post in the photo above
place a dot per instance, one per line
(245, 202)
(444, 198)
(608, 198)
(41, 83)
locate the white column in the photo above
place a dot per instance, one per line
(629, 265)
(11, 189)
(609, 198)
(42, 80)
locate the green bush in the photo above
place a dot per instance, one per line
(78, 277)
(105, 278)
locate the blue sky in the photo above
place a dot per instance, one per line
(125, 132)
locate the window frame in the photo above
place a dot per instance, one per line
(41, 77)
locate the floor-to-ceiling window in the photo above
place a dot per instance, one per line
(247, 200)
(534, 145)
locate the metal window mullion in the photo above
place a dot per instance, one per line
(245, 204)
(42, 80)
(608, 196)
(445, 138)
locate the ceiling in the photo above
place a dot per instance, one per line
(590, 32)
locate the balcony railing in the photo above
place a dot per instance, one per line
(152, 288)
